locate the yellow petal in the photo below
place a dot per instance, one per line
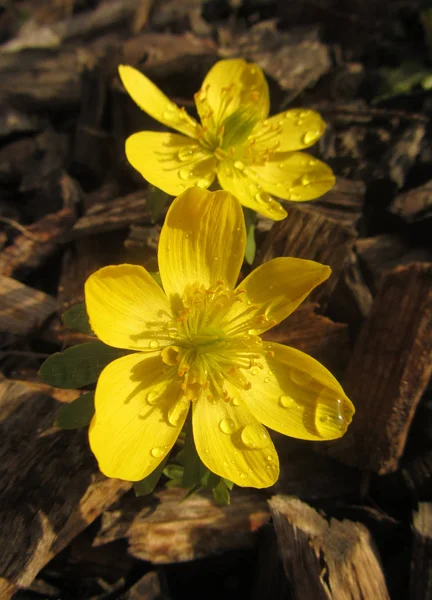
(229, 85)
(249, 192)
(291, 130)
(131, 432)
(233, 444)
(293, 176)
(151, 100)
(127, 308)
(274, 290)
(170, 161)
(202, 240)
(297, 396)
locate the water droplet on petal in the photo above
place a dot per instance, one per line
(312, 162)
(254, 370)
(330, 418)
(227, 426)
(239, 165)
(261, 197)
(266, 379)
(311, 136)
(287, 402)
(158, 452)
(152, 398)
(254, 435)
(185, 174)
(300, 377)
(184, 153)
(177, 412)
(154, 344)
(236, 402)
(202, 183)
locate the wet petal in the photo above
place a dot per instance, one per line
(273, 291)
(232, 443)
(170, 161)
(291, 130)
(231, 85)
(127, 308)
(297, 396)
(131, 432)
(249, 192)
(293, 176)
(202, 240)
(151, 100)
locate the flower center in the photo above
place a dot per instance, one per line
(212, 343)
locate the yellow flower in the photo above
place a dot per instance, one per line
(198, 344)
(253, 156)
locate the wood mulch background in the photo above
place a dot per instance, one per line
(350, 519)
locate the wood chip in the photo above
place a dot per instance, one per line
(167, 528)
(326, 560)
(421, 562)
(51, 487)
(148, 587)
(343, 203)
(389, 370)
(23, 309)
(304, 234)
(414, 205)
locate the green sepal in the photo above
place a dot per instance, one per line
(194, 469)
(210, 480)
(250, 217)
(228, 483)
(221, 493)
(147, 485)
(76, 414)
(156, 276)
(156, 202)
(78, 366)
(175, 472)
(76, 318)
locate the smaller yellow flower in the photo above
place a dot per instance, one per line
(253, 156)
(197, 344)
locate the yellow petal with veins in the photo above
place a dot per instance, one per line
(297, 396)
(202, 241)
(152, 101)
(232, 443)
(126, 307)
(249, 192)
(229, 85)
(291, 130)
(170, 161)
(139, 415)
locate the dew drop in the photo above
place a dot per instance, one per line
(254, 435)
(310, 136)
(261, 197)
(299, 122)
(306, 180)
(184, 153)
(252, 70)
(227, 426)
(266, 379)
(300, 377)
(152, 398)
(185, 174)
(154, 344)
(287, 402)
(157, 452)
(202, 183)
(239, 165)
(236, 402)
(177, 412)
(312, 162)
(242, 476)
(254, 370)
(329, 418)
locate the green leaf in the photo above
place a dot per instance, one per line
(148, 484)
(194, 469)
(173, 471)
(77, 414)
(250, 220)
(76, 318)
(156, 276)
(210, 480)
(402, 80)
(221, 494)
(78, 366)
(156, 202)
(228, 483)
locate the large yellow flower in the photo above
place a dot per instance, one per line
(198, 343)
(253, 156)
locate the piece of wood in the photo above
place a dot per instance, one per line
(414, 205)
(167, 528)
(343, 203)
(112, 215)
(417, 474)
(304, 234)
(23, 309)
(323, 560)
(389, 370)
(314, 334)
(51, 487)
(30, 249)
(421, 562)
(148, 587)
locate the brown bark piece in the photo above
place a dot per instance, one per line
(323, 560)
(147, 588)
(421, 563)
(304, 234)
(414, 205)
(343, 203)
(167, 528)
(29, 250)
(389, 369)
(51, 488)
(22, 308)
